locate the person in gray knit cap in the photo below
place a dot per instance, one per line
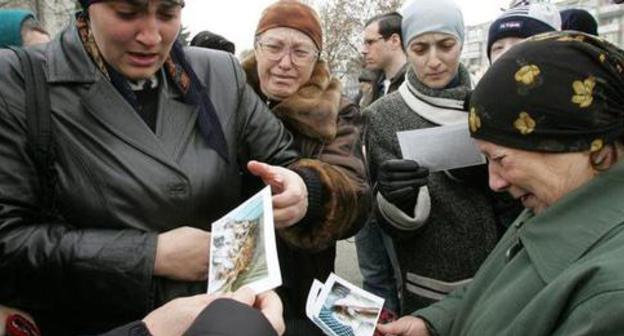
(443, 224)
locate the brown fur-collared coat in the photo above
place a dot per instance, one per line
(326, 127)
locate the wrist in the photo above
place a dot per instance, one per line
(160, 264)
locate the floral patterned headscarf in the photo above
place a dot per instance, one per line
(555, 92)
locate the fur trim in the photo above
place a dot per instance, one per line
(313, 109)
(342, 204)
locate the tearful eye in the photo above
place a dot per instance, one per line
(169, 15)
(302, 53)
(273, 48)
(126, 15)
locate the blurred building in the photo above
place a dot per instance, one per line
(53, 14)
(610, 19)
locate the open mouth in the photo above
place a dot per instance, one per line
(143, 59)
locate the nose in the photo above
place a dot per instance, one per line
(149, 33)
(286, 61)
(364, 49)
(434, 61)
(496, 181)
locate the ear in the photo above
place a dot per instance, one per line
(396, 40)
(604, 158)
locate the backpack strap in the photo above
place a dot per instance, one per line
(39, 122)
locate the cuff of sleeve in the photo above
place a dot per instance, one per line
(436, 319)
(399, 219)
(137, 328)
(230, 317)
(313, 183)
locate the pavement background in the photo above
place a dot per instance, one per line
(346, 262)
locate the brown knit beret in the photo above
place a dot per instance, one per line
(292, 14)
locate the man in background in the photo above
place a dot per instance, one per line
(383, 53)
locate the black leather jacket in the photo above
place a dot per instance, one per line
(119, 185)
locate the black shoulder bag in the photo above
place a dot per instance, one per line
(39, 122)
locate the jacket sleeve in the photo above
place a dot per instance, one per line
(598, 315)
(345, 196)
(136, 328)
(46, 263)
(225, 317)
(381, 145)
(441, 315)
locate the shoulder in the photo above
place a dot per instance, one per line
(214, 65)
(385, 109)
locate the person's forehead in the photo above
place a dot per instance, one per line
(284, 34)
(144, 3)
(430, 38)
(372, 29)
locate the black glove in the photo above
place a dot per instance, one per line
(398, 181)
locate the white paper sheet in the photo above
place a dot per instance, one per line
(441, 148)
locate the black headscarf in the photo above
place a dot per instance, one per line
(555, 92)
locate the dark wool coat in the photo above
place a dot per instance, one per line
(462, 226)
(326, 128)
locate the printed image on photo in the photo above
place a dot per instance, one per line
(348, 310)
(239, 251)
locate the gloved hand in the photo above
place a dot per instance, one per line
(399, 180)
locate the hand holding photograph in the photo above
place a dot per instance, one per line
(243, 250)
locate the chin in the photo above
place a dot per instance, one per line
(438, 84)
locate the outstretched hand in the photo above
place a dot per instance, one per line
(290, 195)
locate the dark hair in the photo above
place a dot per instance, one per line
(389, 23)
(207, 39)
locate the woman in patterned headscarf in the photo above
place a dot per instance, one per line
(548, 115)
(151, 143)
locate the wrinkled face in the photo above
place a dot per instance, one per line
(286, 58)
(135, 37)
(434, 58)
(501, 46)
(375, 48)
(538, 179)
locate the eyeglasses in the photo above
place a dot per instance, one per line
(298, 55)
(370, 42)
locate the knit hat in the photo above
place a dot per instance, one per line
(431, 16)
(292, 14)
(523, 22)
(556, 92)
(579, 20)
(11, 21)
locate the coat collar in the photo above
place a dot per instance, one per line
(67, 59)
(564, 232)
(313, 110)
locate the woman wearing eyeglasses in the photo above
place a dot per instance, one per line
(288, 74)
(150, 140)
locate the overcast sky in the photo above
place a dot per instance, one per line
(237, 19)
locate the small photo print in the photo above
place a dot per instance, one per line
(243, 250)
(343, 309)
